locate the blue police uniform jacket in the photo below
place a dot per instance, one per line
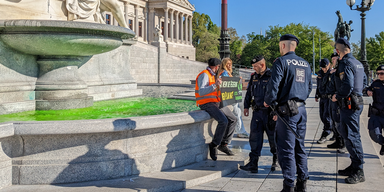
(351, 77)
(322, 82)
(256, 89)
(377, 87)
(331, 87)
(290, 80)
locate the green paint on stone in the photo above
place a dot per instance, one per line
(121, 108)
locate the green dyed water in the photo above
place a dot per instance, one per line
(120, 108)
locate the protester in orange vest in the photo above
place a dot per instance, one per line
(208, 99)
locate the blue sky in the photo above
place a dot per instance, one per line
(248, 16)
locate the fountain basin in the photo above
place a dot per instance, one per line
(61, 38)
(54, 152)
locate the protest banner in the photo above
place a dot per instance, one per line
(231, 90)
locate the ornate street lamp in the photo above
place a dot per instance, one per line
(365, 6)
(224, 37)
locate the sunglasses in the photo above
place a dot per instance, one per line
(380, 73)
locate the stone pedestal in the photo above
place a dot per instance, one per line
(59, 85)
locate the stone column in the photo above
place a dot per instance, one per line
(186, 28)
(137, 20)
(112, 19)
(145, 25)
(166, 24)
(190, 29)
(181, 28)
(177, 26)
(126, 12)
(171, 24)
(151, 24)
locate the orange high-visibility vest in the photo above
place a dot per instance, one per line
(208, 98)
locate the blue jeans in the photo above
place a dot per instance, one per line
(226, 122)
(350, 131)
(256, 138)
(239, 128)
(291, 151)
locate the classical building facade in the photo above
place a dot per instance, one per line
(173, 17)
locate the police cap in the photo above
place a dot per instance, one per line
(381, 67)
(257, 59)
(214, 62)
(289, 37)
(324, 63)
(344, 42)
(334, 55)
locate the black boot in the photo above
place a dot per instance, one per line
(287, 188)
(274, 163)
(382, 150)
(335, 145)
(346, 172)
(357, 176)
(301, 185)
(213, 151)
(252, 165)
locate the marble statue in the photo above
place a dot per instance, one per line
(158, 37)
(82, 9)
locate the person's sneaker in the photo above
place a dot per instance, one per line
(225, 149)
(342, 150)
(242, 135)
(213, 151)
(382, 150)
(356, 177)
(346, 172)
(322, 140)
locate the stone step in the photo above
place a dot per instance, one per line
(170, 180)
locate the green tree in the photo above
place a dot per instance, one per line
(268, 45)
(205, 37)
(375, 50)
(235, 45)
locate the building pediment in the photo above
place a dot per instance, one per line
(183, 3)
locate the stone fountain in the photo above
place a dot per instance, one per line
(59, 46)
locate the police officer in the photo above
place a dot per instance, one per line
(287, 90)
(376, 111)
(208, 99)
(350, 79)
(261, 121)
(322, 82)
(334, 109)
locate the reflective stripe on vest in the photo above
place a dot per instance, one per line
(208, 98)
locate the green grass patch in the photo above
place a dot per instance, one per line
(120, 108)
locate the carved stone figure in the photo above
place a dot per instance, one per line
(158, 37)
(83, 9)
(113, 7)
(343, 29)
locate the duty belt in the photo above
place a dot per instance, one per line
(256, 108)
(324, 96)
